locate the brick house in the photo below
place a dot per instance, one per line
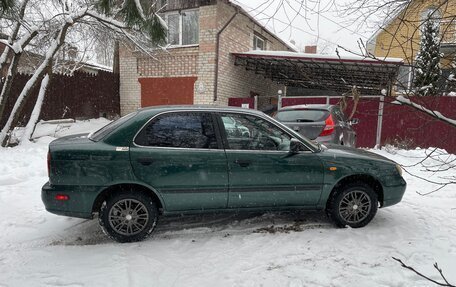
(198, 67)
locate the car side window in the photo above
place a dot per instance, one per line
(179, 130)
(246, 132)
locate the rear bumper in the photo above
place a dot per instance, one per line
(74, 207)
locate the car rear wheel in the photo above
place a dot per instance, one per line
(354, 205)
(128, 216)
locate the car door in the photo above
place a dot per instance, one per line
(179, 154)
(262, 171)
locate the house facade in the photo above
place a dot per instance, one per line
(30, 61)
(198, 66)
(401, 36)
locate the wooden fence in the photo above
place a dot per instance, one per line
(81, 96)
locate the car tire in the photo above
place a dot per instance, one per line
(353, 205)
(128, 216)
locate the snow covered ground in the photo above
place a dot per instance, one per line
(273, 249)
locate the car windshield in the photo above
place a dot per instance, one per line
(104, 131)
(302, 115)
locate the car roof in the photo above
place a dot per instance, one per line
(311, 106)
(197, 108)
(121, 134)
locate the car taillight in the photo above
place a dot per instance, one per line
(329, 127)
(49, 163)
(62, 197)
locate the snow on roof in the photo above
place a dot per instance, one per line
(247, 11)
(97, 66)
(320, 57)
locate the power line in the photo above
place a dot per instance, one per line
(267, 16)
(331, 20)
(295, 27)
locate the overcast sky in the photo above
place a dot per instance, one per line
(327, 26)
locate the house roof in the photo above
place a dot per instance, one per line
(96, 66)
(321, 57)
(324, 72)
(244, 10)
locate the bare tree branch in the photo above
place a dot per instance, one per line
(446, 283)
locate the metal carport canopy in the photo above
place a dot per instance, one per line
(323, 72)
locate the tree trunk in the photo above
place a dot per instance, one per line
(4, 58)
(6, 90)
(31, 83)
(12, 37)
(12, 70)
(30, 128)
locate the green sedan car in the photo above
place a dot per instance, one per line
(192, 159)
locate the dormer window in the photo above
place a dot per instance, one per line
(183, 27)
(259, 43)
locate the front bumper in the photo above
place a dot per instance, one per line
(392, 194)
(76, 206)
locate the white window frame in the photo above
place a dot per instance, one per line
(409, 81)
(255, 39)
(179, 13)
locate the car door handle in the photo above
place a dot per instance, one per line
(145, 160)
(243, 162)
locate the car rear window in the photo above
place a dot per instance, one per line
(303, 115)
(104, 131)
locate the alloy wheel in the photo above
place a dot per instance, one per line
(355, 206)
(128, 217)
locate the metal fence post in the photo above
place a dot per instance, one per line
(380, 122)
(279, 102)
(255, 103)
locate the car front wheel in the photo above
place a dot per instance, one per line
(128, 216)
(354, 205)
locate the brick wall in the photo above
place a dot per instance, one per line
(175, 62)
(129, 88)
(204, 86)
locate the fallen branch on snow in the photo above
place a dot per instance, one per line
(436, 266)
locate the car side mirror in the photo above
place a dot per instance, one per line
(296, 146)
(354, 121)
